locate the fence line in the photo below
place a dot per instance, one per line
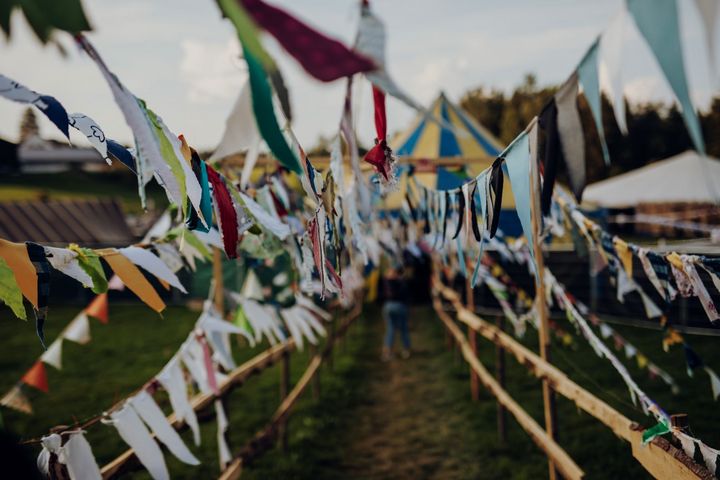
(267, 436)
(561, 460)
(659, 457)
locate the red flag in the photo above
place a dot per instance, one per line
(37, 377)
(321, 56)
(378, 155)
(99, 308)
(228, 217)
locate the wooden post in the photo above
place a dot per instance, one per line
(219, 298)
(500, 377)
(472, 338)
(544, 334)
(284, 390)
(316, 378)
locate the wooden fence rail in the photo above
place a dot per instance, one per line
(659, 457)
(267, 436)
(127, 460)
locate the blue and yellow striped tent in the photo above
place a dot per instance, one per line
(429, 139)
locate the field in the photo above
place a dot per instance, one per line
(407, 418)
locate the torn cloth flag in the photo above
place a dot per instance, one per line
(42, 269)
(322, 57)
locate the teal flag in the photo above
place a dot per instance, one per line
(588, 76)
(657, 21)
(265, 115)
(517, 168)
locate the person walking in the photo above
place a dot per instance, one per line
(395, 311)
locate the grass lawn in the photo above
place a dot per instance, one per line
(404, 419)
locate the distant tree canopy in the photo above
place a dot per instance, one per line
(28, 125)
(656, 131)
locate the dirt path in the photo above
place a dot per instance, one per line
(408, 421)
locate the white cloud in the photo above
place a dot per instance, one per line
(211, 70)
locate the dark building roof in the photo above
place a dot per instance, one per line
(89, 223)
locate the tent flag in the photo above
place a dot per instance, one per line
(517, 167)
(327, 60)
(658, 22)
(572, 138)
(260, 67)
(99, 308)
(588, 76)
(37, 377)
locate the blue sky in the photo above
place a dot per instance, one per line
(181, 57)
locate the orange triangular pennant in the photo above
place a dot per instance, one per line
(132, 277)
(99, 308)
(37, 377)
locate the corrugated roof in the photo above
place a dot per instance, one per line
(87, 222)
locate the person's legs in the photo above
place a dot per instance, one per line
(389, 331)
(403, 325)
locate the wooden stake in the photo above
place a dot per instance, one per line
(284, 390)
(500, 377)
(548, 395)
(316, 378)
(472, 338)
(219, 298)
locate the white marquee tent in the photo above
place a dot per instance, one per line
(686, 177)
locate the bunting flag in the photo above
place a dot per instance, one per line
(46, 17)
(612, 45)
(36, 253)
(16, 257)
(99, 308)
(380, 155)
(517, 167)
(89, 262)
(10, 293)
(657, 21)
(260, 67)
(241, 132)
(370, 42)
(709, 11)
(17, 400)
(48, 105)
(572, 138)
(36, 377)
(589, 79)
(322, 57)
(132, 278)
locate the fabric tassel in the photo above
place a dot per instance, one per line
(380, 155)
(78, 457)
(133, 432)
(173, 381)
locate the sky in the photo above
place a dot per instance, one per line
(183, 59)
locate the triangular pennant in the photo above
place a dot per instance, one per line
(590, 82)
(133, 278)
(99, 308)
(572, 138)
(53, 354)
(78, 330)
(714, 382)
(17, 258)
(658, 21)
(17, 400)
(37, 377)
(517, 166)
(612, 47)
(10, 293)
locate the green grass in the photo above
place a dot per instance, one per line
(80, 185)
(405, 419)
